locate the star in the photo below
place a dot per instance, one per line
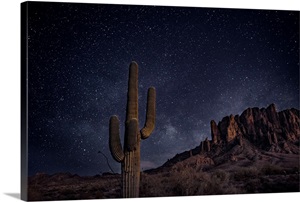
(205, 63)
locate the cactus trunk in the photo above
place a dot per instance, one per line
(130, 155)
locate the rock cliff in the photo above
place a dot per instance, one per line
(265, 128)
(249, 136)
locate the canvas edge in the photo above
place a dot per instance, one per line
(24, 101)
(24, 86)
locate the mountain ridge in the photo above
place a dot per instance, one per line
(262, 129)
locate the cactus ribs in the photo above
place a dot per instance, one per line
(129, 156)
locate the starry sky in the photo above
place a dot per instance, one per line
(205, 63)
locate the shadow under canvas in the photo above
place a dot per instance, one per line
(13, 195)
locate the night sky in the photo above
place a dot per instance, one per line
(205, 63)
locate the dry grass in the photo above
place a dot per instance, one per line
(83, 188)
(183, 180)
(245, 173)
(270, 169)
(186, 182)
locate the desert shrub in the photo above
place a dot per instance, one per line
(271, 169)
(152, 185)
(246, 173)
(68, 194)
(294, 170)
(191, 182)
(182, 181)
(186, 181)
(252, 185)
(218, 183)
(34, 194)
(220, 176)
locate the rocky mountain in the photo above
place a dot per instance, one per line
(256, 131)
(265, 128)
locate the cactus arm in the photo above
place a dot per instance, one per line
(114, 139)
(130, 155)
(150, 114)
(132, 95)
(131, 135)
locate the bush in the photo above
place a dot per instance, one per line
(271, 169)
(219, 176)
(186, 182)
(246, 173)
(34, 194)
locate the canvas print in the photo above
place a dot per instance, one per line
(126, 101)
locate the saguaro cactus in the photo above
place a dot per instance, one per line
(129, 156)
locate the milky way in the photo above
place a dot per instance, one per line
(205, 63)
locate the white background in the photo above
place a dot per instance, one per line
(10, 92)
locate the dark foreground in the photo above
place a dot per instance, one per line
(196, 175)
